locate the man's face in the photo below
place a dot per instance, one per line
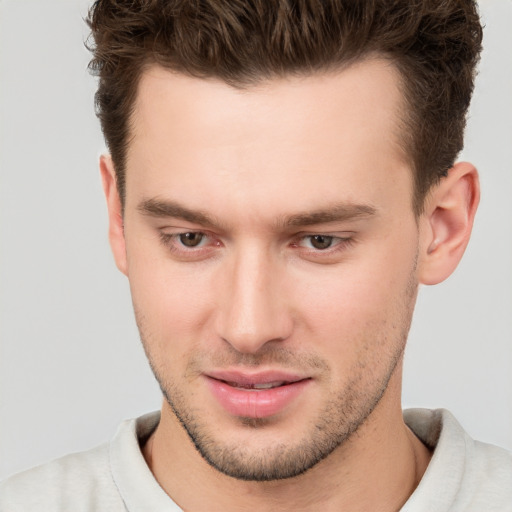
(271, 250)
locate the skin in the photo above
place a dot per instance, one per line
(256, 292)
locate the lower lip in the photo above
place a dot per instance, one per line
(250, 403)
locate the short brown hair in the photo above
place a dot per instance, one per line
(435, 44)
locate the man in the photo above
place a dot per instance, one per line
(281, 179)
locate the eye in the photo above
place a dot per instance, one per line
(325, 246)
(192, 239)
(320, 242)
(187, 243)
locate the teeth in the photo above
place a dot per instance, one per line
(264, 385)
(268, 385)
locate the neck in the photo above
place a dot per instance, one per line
(377, 468)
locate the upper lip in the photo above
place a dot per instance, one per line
(244, 378)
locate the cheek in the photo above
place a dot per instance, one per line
(343, 306)
(360, 328)
(367, 301)
(171, 301)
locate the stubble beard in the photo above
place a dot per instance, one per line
(341, 417)
(344, 413)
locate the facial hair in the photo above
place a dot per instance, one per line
(344, 412)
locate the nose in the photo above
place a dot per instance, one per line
(254, 308)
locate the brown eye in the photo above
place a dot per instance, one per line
(191, 239)
(321, 241)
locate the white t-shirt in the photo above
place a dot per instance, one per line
(463, 475)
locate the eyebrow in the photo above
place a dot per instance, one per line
(159, 208)
(338, 212)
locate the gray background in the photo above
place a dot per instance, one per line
(71, 365)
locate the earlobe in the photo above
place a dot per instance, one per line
(115, 213)
(447, 221)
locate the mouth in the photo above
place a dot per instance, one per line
(257, 395)
(255, 387)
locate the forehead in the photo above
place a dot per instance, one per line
(368, 88)
(277, 138)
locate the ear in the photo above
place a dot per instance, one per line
(446, 223)
(115, 213)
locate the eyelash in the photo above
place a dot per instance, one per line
(171, 241)
(339, 243)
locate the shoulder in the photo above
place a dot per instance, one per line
(463, 474)
(78, 482)
(490, 477)
(101, 479)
